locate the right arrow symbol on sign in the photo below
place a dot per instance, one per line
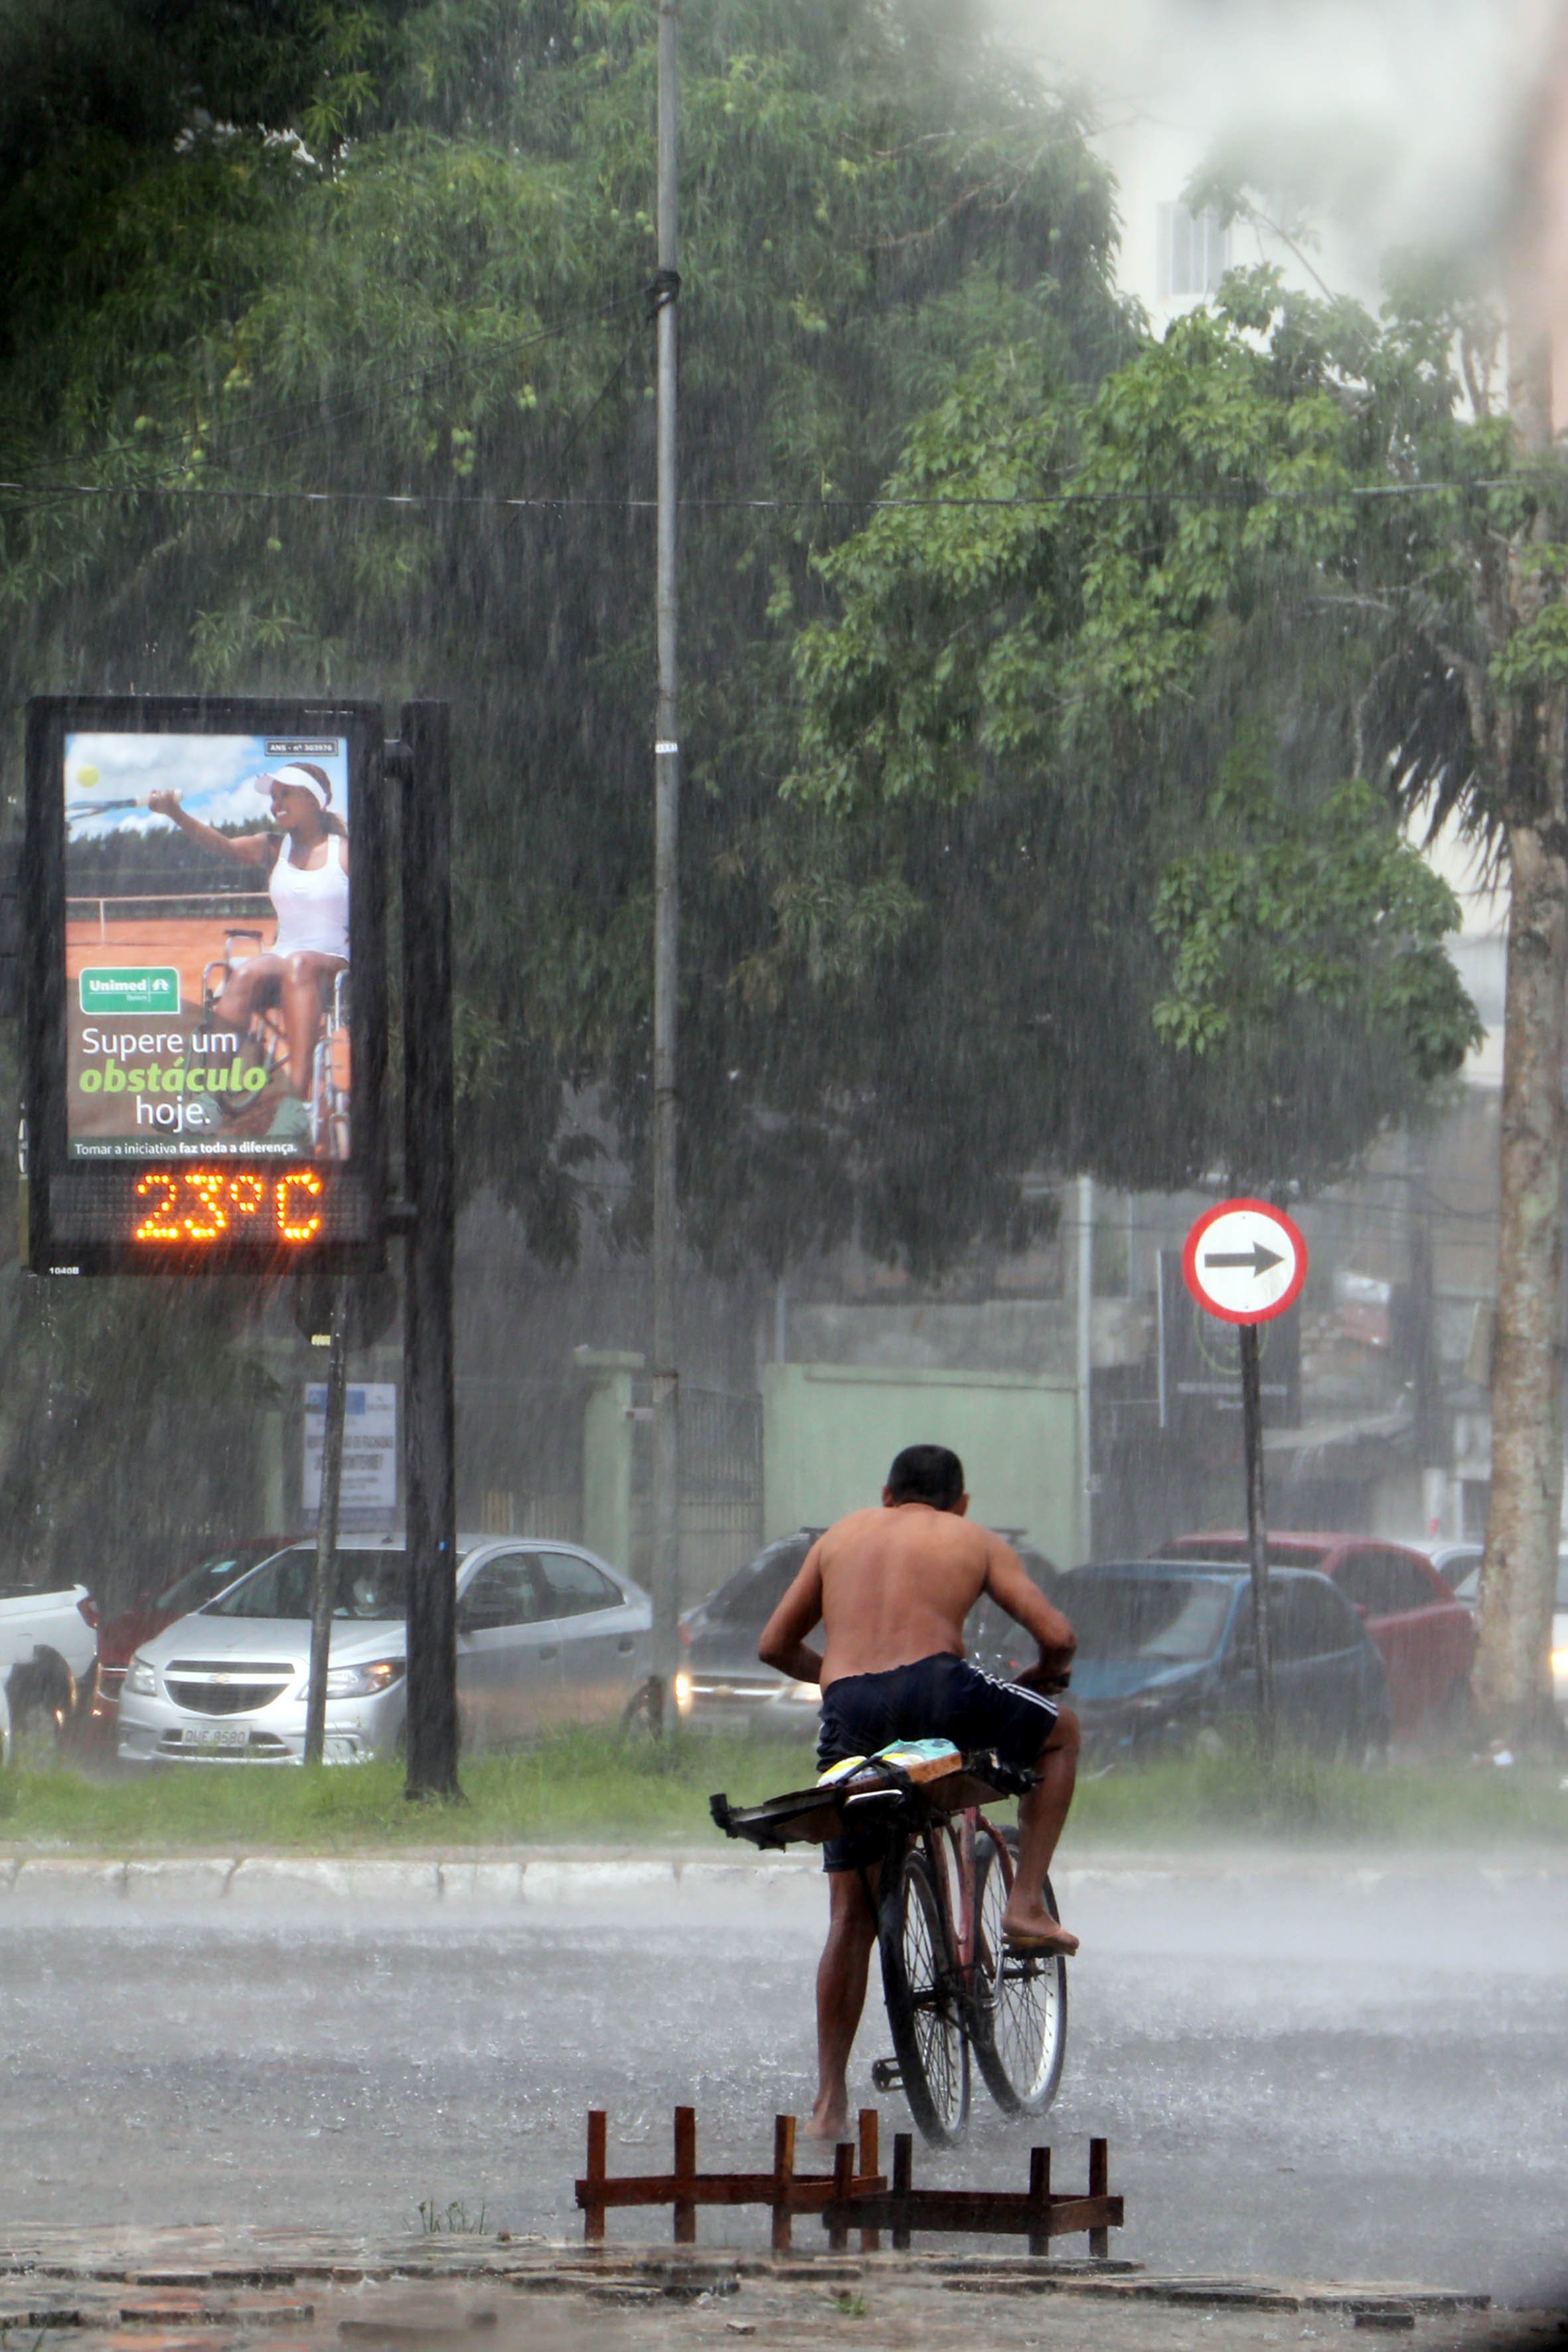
(1258, 1258)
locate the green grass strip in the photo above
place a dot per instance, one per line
(582, 1787)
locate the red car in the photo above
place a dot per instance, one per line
(120, 1637)
(1425, 1637)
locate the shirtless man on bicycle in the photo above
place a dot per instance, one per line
(892, 1588)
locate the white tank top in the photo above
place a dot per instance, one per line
(312, 903)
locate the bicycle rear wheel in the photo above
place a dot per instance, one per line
(919, 1985)
(1020, 2039)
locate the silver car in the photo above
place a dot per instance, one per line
(547, 1634)
(1467, 1589)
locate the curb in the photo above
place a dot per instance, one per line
(551, 1880)
(247, 1882)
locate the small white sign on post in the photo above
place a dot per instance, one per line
(368, 1493)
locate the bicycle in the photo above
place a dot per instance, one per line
(955, 1997)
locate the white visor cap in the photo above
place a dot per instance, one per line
(298, 779)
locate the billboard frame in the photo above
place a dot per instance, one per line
(355, 1186)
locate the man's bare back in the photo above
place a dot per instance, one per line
(891, 1586)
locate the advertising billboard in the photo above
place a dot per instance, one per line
(204, 888)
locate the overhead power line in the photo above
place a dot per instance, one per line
(561, 502)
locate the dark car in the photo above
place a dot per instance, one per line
(1426, 1635)
(1167, 1654)
(120, 1638)
(722, 1684)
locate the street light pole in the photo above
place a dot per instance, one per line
(666, 907)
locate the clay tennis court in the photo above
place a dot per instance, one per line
(189, 942)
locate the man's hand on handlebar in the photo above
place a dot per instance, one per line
(1051, 1672)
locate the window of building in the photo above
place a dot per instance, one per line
(1193, 251)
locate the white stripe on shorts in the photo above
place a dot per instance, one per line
(1017, 1690)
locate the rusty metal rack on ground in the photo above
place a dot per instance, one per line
(854, 2196)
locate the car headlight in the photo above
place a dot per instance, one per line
(364, 1682)
(142, 1679)
(683, 1690)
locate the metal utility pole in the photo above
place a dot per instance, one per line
(325, 1589)
(429, 1093)
(1084, 1382)
(666, 910)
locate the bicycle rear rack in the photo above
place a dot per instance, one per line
(854, 2196)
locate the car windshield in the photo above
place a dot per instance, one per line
(199, 1584)
(1468, 1587)
(1172, 1619)
(754, 1592)
(366, 1584)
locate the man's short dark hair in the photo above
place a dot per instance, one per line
(926, 1474)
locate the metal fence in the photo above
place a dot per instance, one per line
(721, 1485)
(520, 1471)
(520, 1457)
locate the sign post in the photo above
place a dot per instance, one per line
(323, 1590)
(1245, 1263)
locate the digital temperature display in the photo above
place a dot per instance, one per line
(204, 1216)
(194, 1207)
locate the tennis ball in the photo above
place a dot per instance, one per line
(87, 778)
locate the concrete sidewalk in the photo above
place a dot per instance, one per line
(200, 2290)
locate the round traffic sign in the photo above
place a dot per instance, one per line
(1245, 1261)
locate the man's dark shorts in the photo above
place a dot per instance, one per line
(942, 1697)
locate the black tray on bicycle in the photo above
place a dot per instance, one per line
(811, 1816)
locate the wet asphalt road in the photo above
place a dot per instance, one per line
(1346, 2072)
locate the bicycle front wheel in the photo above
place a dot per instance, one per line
(919, 1985)
(1020, 2040)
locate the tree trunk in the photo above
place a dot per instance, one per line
(1513, 1681)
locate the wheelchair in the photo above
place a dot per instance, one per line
(331, 1076)
(266, 1041)
(265, 1032)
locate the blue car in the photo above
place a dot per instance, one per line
(1166, 1653)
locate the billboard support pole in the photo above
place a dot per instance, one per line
(429, 1410)
(324, 1592)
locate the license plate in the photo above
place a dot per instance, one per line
(217, 1734)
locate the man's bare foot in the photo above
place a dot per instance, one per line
(829, 2123)
(1029, 1927)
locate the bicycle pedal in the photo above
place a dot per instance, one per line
(886, 2075)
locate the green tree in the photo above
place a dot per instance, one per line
(250, 251)
(1285, 523)
(449, 305)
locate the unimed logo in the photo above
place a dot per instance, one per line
(144, 987)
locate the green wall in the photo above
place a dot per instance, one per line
(830, 1431)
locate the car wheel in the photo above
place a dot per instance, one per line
(40, 1696)
(643, 1714)
(1370, 1751)
(1455, 1720)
